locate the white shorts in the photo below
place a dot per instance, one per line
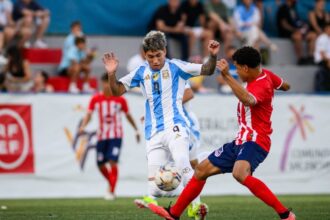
(194, 144)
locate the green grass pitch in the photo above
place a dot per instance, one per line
(311, 207)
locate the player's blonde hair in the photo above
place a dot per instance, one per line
(153, 41)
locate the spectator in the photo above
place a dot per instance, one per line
(223, 86)
(27, 14)
(290, 26)
(76, 31)
(40, 83)
(3, 87)
(7, 30)
(195, 18)
(170, 20)
(135, 60)
(17, 70)
(75, 61)
(248, 24)
(220, 22)
(318, 17)
(231, 5)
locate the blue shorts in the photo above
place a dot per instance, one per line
(108, 150)
(226, 156)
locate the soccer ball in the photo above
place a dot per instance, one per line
(167, 177)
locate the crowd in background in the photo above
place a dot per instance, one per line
(188, 23)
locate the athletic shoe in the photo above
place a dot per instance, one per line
(87, 88)
(109, 196)
(292, 216)
(40, 44)
(144, 203)
(198, 211)
(162, 212)
(73, 88)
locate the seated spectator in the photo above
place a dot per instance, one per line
(290, 26)
(195, 18)
(135, 60)
(220, 21)
(318, 17)
(40, 83)
(3, 87)
(7, 28)
(77, 60)
(17, 70)
(248, 25)
(170, 20)
(223, 86)
(28, 14)
(76, 31)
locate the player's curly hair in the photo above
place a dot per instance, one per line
(153, 41)
(247, 56)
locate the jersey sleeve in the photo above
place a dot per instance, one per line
(133, 79)
(187, 70)
(124, 105)
(276, 80)
(260, 92)
(92, 103)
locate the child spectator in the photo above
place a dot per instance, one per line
(40, 83)
(76, 31)
(27, 14)
(77, 60)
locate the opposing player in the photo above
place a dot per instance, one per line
(162, 82)
(252, 144)
(110, 132)
(194, 143)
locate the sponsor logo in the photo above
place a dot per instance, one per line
(165, 74)
(218, 152)
(16, 150)
(147, 77)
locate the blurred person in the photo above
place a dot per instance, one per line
(136, 60)
(248, 25)
(3, 87)
(7, 28)
(318, 17)
(40, 83)
(195, 18)
(17, 70)
(220, 21)
(290, 26)
(223, 86)
(250, 148)
(77, 60)
(170, 20)
(110, 131)
(75, 31)
(162, 82)
(230, 4)
(29, 15)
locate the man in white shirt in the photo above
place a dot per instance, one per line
(322, 47)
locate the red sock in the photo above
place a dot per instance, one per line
(260, 190)
(113, 177)
(106, 173)
(189, 193)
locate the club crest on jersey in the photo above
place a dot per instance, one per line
(155, 76)
(165, 74)
(147, 77)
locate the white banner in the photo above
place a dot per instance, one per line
(57, 163)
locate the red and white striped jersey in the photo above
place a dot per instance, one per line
(109, 111)
(255, 121)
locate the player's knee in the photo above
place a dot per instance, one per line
(239, 176)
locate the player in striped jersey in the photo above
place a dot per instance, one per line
(162, 82)
(110, 132)
(252, 144)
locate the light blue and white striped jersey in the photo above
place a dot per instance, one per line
(163, 91)
(192, 119)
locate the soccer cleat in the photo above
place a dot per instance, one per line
(109, 196)
(198, 211)
(162, 212)
(292, 216)
(144, 203)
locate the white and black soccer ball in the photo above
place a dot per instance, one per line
(168, 177)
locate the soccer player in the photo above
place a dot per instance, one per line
(162, 82)
(194, 143)
(252, 144)
(110, 132)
